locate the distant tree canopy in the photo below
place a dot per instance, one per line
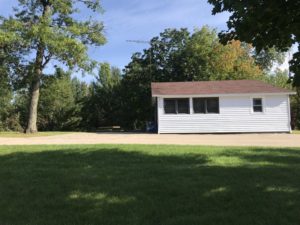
(60, 105)
(48, 30)
(102, 106)
(178, 55)
(265, 24)
(6, 96)
(60, 102)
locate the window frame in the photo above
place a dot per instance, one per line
(164, 106)
(262, 105)
(176, 106)
(205, 105)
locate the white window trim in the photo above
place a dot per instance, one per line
(192, 105)
(175, 114)
(263, 104)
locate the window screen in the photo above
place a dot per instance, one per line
(257, 105)
(183, 106)
(170, 106)
(199, 105)
(212, 105)
(177, 106)
(206, 105)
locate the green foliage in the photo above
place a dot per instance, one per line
(48, 30)
(21, 102)
(108, 76)
(59, 105)
(80, 90)
(281, 79)
(295, 101)
(5, 102)
(178, 55)
(233, 62)
(52, 24)
(8, 119)
(265, 24)
(267, 58)
(102, 106)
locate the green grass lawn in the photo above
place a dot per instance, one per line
(149, 185)
(39, 134)
(296, 131)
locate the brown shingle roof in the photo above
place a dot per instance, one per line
(214, 87)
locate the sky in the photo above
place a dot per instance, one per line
(141, 20)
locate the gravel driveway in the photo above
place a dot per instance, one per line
(275, 140)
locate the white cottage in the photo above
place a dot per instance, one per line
(233, 106)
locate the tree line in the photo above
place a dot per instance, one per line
(123, 98)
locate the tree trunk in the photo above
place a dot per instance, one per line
(36, 81)
(35, 92)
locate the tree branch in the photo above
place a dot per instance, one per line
(47, 60)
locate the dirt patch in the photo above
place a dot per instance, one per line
(269, 140)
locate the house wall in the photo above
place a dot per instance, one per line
(236, 115)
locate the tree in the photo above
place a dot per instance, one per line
(281, 79)
(44, 31)
(102, 106)
(58, 108)
(264, 24)
(207, 59)
(109, 76)
(5, 101)
(21, 102)
(266, 59)
(80, 90)
(9, 62)
(178, 55)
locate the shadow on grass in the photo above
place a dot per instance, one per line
(111, 186)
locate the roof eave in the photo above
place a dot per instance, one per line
(224, 94)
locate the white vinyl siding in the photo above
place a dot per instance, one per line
(236, 115)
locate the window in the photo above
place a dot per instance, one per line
(212, 105)
(177, 106)
(199, 105)
(170, 106)
(257, 105)
(183, 106)
(206, 105)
